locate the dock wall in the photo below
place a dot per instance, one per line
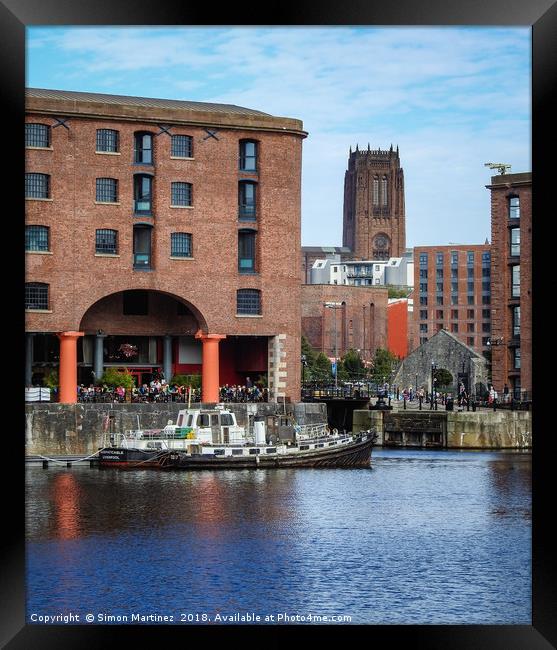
(456, 430)
(77, 429)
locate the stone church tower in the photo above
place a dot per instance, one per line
(374, 220)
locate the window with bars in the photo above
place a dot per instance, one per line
(181, 244)
(107, 190)
(439, 287)
(486, 259)
(248, 155)
(248, 302)
(106, 241)
(143, 148)
(37, 135)
(454, 274)
(514, 207)
(246, 200)
(246, 251)
(439, 273)
(37, 186)
(423, 327)
(37, 238)
(36, 295)
(423, 287)
(107, 141)
(182, 146)
(454, 287)
(181, 194)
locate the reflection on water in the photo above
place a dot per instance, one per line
(423, 537)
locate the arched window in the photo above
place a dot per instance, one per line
(246, 200)
(143, 194)
(143, 148)
(36, 295)
(246, 250)
(248, 302)
(248, 155)
(375, 197)
(384, 192)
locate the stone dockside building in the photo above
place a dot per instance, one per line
(161, 234)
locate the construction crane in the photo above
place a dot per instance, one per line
(502, 167)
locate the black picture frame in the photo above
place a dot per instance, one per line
(542, 16)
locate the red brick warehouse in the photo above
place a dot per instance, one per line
(172, 226)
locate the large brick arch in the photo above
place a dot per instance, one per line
(105, 312)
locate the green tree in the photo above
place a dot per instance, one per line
(384, 365)
(351, 366)
(321, 369)
(398, 293)
(443, 377)
(50, 380)
(193, 381)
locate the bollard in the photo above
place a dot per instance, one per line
(68, 464)
(420, 403)
(474, 406)
(45, 464)
(404, 401)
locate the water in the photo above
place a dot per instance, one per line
(424, 537)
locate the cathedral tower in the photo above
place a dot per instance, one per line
(374, 220)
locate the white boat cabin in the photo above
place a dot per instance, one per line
(215, 426)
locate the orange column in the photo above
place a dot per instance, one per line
(67, 375)
(210, 367)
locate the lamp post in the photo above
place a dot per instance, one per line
(433, 368)
(335, 306)
(304, 361)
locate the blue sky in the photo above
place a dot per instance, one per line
(451, 98)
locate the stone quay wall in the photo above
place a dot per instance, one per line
(461, 430)
(77, 429)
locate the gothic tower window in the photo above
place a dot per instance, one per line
(375, 198)
(384, 191)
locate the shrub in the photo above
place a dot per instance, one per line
(114, 378)
(187, 380)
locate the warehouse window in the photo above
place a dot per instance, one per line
(107, 141)
(36, 295)
(181, 244)
(37, 238)
(246, 251)
(143, 148)
(182, 146)
(248, 155)
(143, 194)
(248, 302)
(181, 194)
(246, 200)
(37, 186)
(107, 190)
(37, 135)
(106, 241)
(514, 207)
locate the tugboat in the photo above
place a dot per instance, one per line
(210, 438)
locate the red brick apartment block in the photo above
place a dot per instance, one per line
(374, 225)
(356, 318)
(511, 316)
(452, 291)
(149, 221)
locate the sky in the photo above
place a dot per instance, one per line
(451, 98)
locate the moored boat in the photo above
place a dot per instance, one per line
(210, 438)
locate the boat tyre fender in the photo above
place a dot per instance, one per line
(335, 432)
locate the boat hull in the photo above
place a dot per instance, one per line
(354, 454)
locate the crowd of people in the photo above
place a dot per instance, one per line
(160, 391)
